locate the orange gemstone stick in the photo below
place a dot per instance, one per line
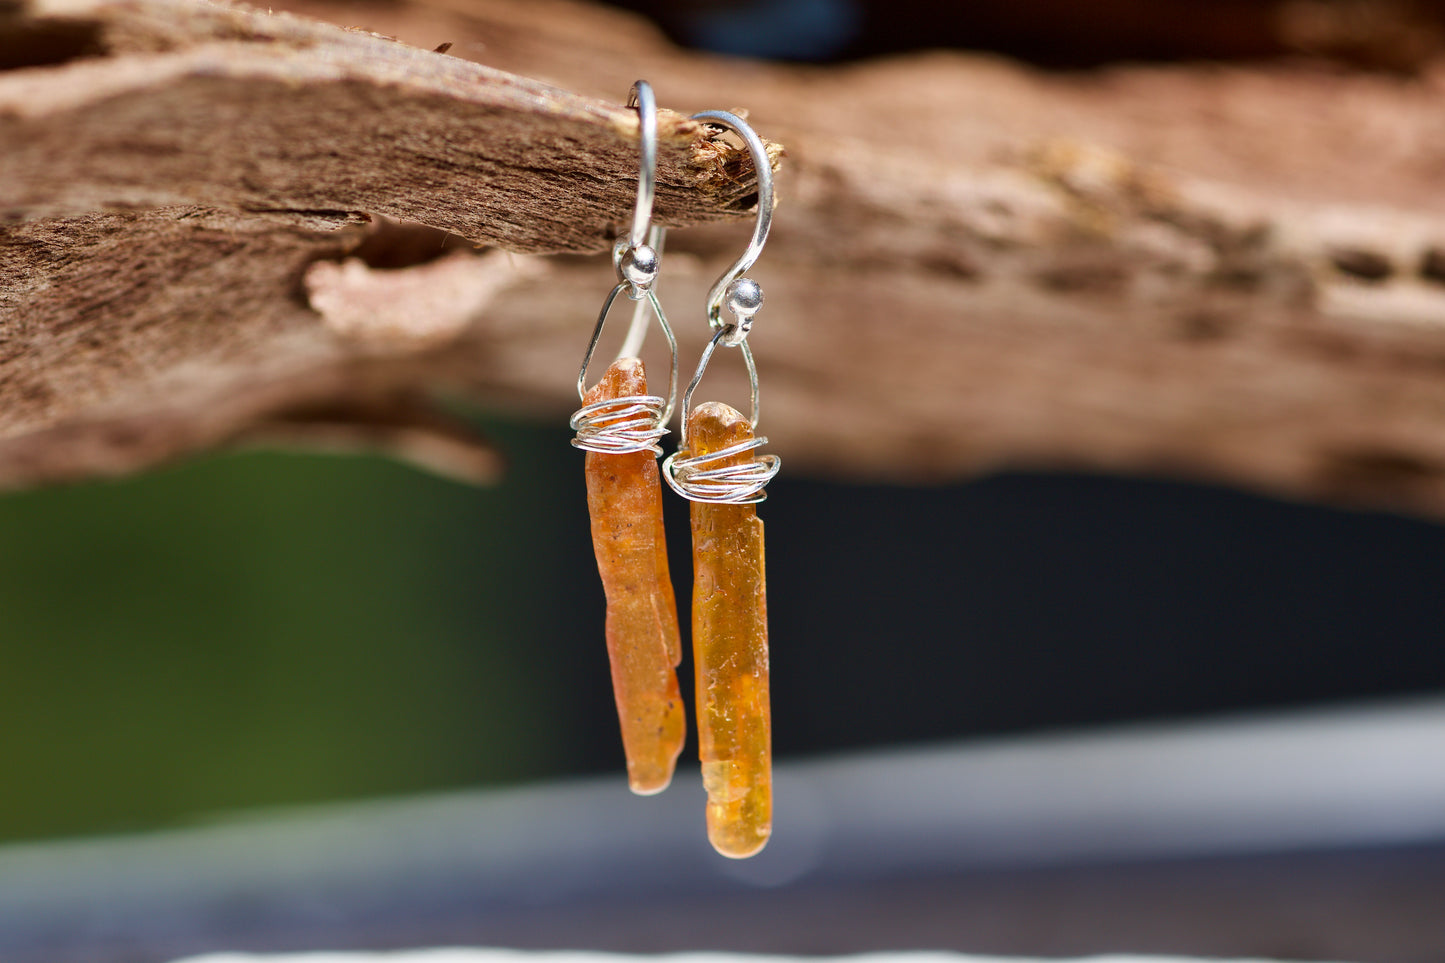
(730, 647)
(624, 497)
(715, 468)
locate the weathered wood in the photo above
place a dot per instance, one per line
(1228, 273)
(195, 103)
(169, 170)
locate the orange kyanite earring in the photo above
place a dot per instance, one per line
(716, 469)
(619, 425)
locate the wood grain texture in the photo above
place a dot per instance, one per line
(171, 172)
(200, 103)
(1229, 273)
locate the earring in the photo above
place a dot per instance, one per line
(619, 425)
(714, 468)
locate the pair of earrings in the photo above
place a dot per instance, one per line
(620, 425)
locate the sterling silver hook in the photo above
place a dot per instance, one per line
(640, 97)
(636, 422)
(638, 257)
(700, 478)
(743, 295)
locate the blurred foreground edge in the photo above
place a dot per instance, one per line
(1311, 835)
(490, 955)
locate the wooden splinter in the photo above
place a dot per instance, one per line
(730, 648)
(624, 498)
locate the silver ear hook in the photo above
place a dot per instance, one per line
(638, 256)
(640, 97)
(743, 295)
(700, 478)
(636, 422)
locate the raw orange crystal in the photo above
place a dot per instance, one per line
(730, 647)
(624, 497)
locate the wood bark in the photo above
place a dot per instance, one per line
(1230, 273)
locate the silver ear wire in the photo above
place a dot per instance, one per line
(635, 267)
(638, 258)
(640, 97)
(636, 422)
(695, 477)
(743, 296)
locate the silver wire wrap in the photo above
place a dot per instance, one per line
(698, 478)
(636, 422)
(633, 423)
(691, 475)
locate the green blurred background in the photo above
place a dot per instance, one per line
(253, 629)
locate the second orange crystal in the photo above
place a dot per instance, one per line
(730, 647)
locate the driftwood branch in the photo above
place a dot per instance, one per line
(1226, 273)
(171, 169)
(190, 103)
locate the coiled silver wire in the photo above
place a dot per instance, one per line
(700, 478)
(636, 422)
(692, 478)
(620, 425)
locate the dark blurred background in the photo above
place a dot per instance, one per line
(1386, 35)
(259, 630)
(256, 629)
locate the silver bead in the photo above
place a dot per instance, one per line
(743, 297)
(639, 266)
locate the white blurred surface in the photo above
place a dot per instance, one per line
(461, 955)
